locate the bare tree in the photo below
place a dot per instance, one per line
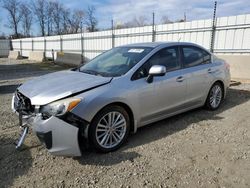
(137, 22)
(118, 25)
(57, 16)
(2, 36)
(184, 19)
(49, 17)
(76, 21)
(65, 21)
(141, 21)
(90, 20)
(26, 20)
(12, 7)
(39, 9)
(180, 20)
(165, 20)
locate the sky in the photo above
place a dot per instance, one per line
(124, 10)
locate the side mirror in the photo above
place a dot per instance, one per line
(156, 70)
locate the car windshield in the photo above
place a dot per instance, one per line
(115, 62)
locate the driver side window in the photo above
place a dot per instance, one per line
(168, 57)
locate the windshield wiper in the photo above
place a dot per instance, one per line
(90, 72)
(96, 73)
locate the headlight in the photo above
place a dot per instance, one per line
(59, 108)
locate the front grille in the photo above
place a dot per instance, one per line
(23, 104)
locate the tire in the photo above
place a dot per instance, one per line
(106, 137)
(215, 97)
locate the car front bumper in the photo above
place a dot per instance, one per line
(59, 137)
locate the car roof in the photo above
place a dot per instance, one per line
(156, 44)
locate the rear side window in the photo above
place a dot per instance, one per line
(193, 56)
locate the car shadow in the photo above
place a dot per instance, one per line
(164, 128)
(13, 163)
(106, 159)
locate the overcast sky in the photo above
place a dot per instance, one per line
(124, 10)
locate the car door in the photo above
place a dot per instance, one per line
(197, 68)
(166, 93)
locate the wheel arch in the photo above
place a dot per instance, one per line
(222, 84)
(128, 110)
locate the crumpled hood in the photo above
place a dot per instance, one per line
(54, 86)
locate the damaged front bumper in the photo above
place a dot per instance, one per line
(65, 135)
(60, 137)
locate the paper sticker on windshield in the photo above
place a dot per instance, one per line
(136, 50)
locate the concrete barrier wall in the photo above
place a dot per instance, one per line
(68, 58)
(36, 56)
(4, 47)
(14, 55)
(239, 65)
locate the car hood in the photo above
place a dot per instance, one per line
(54, 86)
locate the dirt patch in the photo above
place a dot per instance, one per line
(195, 149)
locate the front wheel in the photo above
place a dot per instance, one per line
(215, 97)
(109, 128)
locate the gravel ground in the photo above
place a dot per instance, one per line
(195, 149)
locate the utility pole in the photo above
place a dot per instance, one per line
(113, 36)
(82, 46)
(213, 28)
(153, 28)
(44, 48)
(21, 47)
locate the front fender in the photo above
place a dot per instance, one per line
(95, 100)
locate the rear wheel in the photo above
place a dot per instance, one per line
(215, 97)
(109, 128)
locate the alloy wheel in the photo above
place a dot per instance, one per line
(111, 129)
(215, 96)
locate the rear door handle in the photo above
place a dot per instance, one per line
(180, 79)
(210, 70)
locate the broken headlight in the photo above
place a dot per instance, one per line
(60, 107)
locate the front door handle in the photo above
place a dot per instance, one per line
(210, 70)
(180, 79)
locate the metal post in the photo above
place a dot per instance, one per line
(153, 28)
(213, 29)
(83, 46)
(10, 43)
(44, 47)
(82, 57)
(21, 47)
(32, 45)
(53, 56)
(113, 35)
(61, 44)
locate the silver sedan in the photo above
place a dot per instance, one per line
(98, 104)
